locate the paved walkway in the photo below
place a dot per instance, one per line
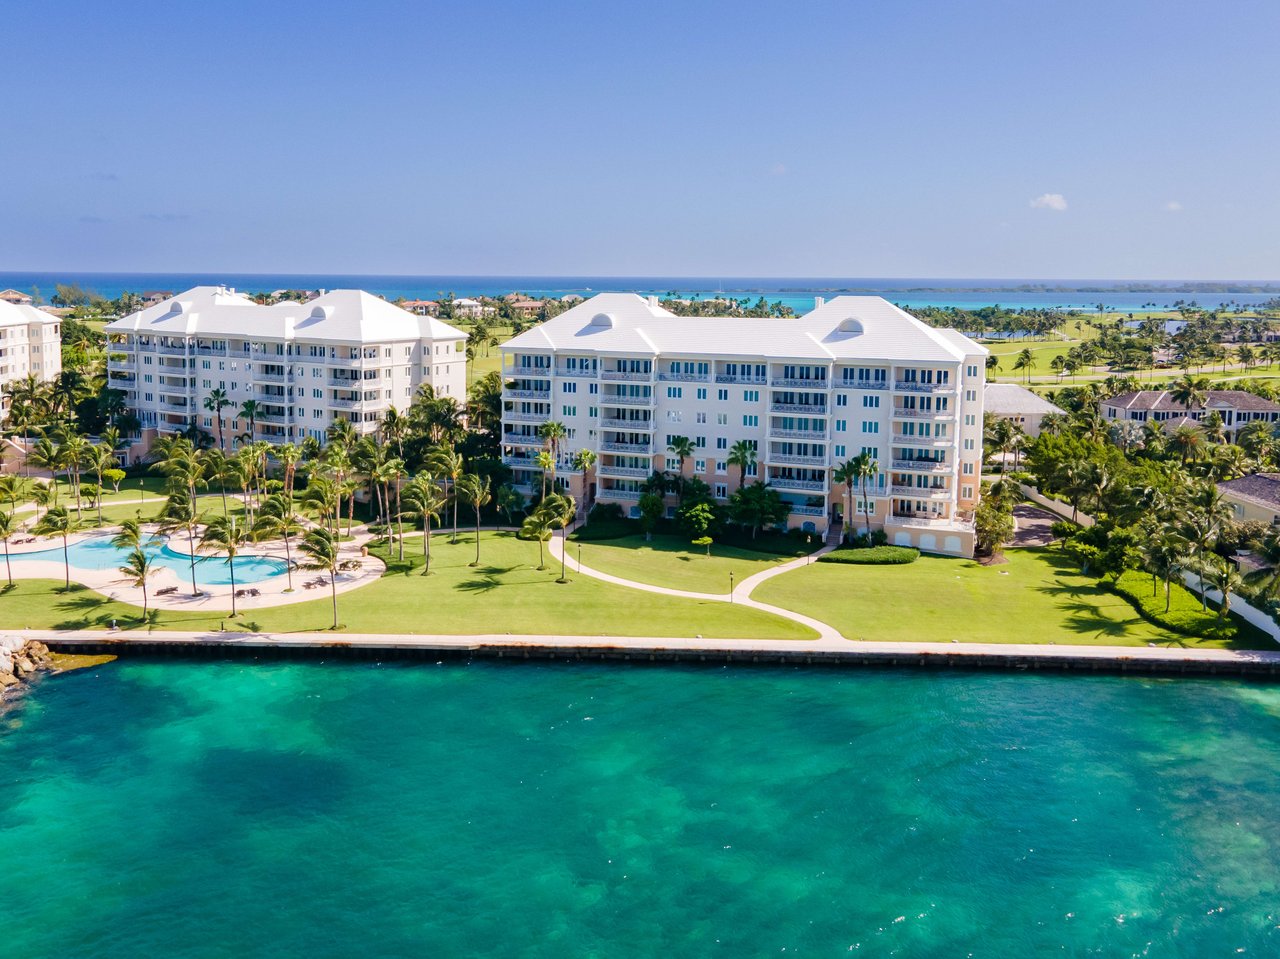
(741, 593)
(1031, 526)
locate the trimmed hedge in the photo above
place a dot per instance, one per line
(873, 556)
(605, 521)
(1184, 616)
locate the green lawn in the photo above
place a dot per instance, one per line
(504, 595)
(670, 561)
(1036, 597)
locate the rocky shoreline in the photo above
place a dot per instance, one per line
(20, 661)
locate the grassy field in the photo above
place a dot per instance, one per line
(506, 594)
(1036, 597)
(670, 561)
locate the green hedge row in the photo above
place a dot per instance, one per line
(873, 556)
(1184, 615)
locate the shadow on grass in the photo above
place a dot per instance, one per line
(484, 583)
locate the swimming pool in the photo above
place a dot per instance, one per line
(97, 553)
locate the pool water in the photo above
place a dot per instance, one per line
(97, 553)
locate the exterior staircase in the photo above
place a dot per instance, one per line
(835, 531)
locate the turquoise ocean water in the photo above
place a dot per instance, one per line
(174, 809)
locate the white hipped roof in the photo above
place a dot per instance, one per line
(1010, 399)
(13, 315)
(843, 328)
(343, 316)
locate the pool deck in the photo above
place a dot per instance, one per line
(1122, 659)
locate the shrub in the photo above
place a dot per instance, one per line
(1184, 615)
(873, 556)
(605, 521)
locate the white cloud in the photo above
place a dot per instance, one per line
(1050, 201)
(1173, 206)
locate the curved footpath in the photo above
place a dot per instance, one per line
(741, 595)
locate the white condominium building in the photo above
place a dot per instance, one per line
(346, 355)
(625, 377)
(30, 344)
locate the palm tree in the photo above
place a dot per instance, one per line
(553, 434)
(585, 460)
(226, 534)
(1226, 579)
(250, 409)
(321, 547)
(43, 455)
(865, 468)
(1189, 391)
(179, 514)
(99, 459)
(323, 495)
(475, 490)
(425, 499)
(1186, 439)
(1025, 361)
(847, 474)
(538, 525)
(681, 447)
(57, 521)
(561, 508)
(137, 569)
(71, 455)
(129, 536)
(446, 463)
(215, 403)
(546, 463)
(277, 519)
(742, 454)
(287, 455)
(8, 526)
(10, 486)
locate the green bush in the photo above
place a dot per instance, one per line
(605, 521)
(1184, 616)
(873, 556)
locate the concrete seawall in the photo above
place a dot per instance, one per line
(1087, 659)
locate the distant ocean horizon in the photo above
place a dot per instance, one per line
(795, 292)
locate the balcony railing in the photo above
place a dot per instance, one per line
(784, 382)
(582, 373)
(910, 386)
(783, 482)
(516, 439)
(611, 447)
(618, 494)
(509, 416)
(927, 521)
(808, 510)
(625, 376)
(171, 350)
(527, 394)
(273, 377)
(926, 466)
(685, 377)
(923, 414)
(617, 399)
(790, 459)
(640, 426)
(798, 434)
(175, 408)
(521, 463)
(346, 404)
(900, 439)
(917, 492)
(813, 408)
(741, 378)
(208, 351)
(863, 384)
(624, 472)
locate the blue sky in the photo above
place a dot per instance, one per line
(1117, 139)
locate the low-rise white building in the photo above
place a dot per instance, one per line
(1019, 405)
(626, 376)
(344, 355)
(30, 345)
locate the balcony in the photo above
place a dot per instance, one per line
(934, 442)
(863, 384)
(811, 408)
(122, 376)
(171, 350)
(918, 492)
(527, 394)
(346, 404)
(166, 407)
(345, 382)
(906, 414)
(741, 378)
(814, 435)
(611, 447)
(517, 439)
(623, 376)
(209, 351)
(618, 495)
(631, 426)
(509, 416)
(282, 417)
(617, 399)
(805, 486)
(922, 466)
(790, 459)
(273, 377)
(910, 386)
(808, 510)
(916, 520)
(685, 377)
(521, 463)
(790, 383)
(622, 472)
(586, 374)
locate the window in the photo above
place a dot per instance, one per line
(968, 444)
(750, 419)
(672, 463)
(842, 399)
(700, 417)
(700, 442)
(722, 394)
(751, 396)
(593, 388)
(722, 419)
(871, 401)
(967, 469)
(673, 416)
(699, 466)
(722, 443)
(970, 395)
(702, 392)
(870, 426)
(593, 411)
(966, 492)
(841, 425)
(569, 387)
(753, 469)
(839, 451)
(568, 411)
(722, 467)
(721, 491)
(970, 419)
(675, 392)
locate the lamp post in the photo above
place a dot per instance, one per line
(731, 586)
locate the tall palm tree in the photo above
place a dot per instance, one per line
(99, 459)
(215, 403)
(71, 455)
(538, 525)
(546, 463)
(136, 570)
(10, 486)
(742, 454)
(446, 463)
(865, 468)
(321, 548)
(8, 526)
(58, 522)
(425, 499)
(1189, 391)
(278, 520)
(553, 434)
(324, 497)
(226, 534)
(847, 474)
(562, 509)
(681, 447)
(129, 535)
(43, 455)
(475, 490)
(584, 460)
(179, 513)
(288, 455)
(249, 410)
